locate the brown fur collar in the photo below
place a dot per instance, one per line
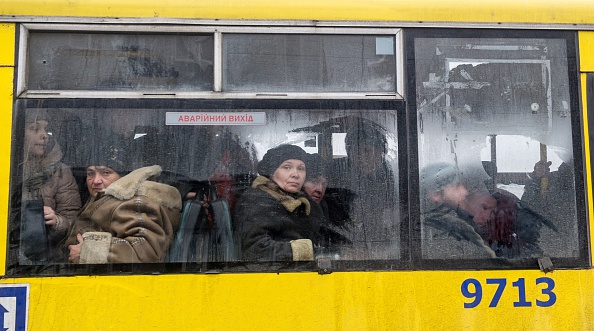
(290, 203)
(135, 183)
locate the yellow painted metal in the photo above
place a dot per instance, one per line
(588, 161)
(527, 11)
(6, 83)
(419, 300)
(7, 41)
(586, 41)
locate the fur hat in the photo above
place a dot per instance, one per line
(277, 155)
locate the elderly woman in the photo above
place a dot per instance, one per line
(275, 220)
(46, 177)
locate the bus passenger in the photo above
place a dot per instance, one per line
(336, 226)
(140, 215)
(552, 194)
(449, 231)
(275, 220)
(366, 184)
(46, 177)
(495, 223)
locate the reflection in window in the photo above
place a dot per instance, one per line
(495, 148)
(85, 61)
(66, 149)
(308, 63)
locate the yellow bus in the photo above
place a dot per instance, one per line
(449, 139)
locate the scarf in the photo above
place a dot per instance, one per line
(290, 202)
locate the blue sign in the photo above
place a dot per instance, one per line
(14, 307)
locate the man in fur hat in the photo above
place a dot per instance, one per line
(140, 216)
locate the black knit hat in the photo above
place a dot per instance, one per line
(110, 154)
(315, 166)
(277, 155)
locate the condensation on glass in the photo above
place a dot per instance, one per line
(495, 148)
(309, 63)
(119, 62)
(222, 147)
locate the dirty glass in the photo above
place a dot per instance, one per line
(119, 62)
(212, 150)
(309, 63)
(496, 159)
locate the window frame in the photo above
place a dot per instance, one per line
(65, 269)
(583, 259)
(218, 32)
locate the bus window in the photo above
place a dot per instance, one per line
(122, 62)
(306, 63)
(496, 154)
(197, 145)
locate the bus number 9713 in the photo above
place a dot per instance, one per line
(473, 289)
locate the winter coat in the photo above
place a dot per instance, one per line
(60, 193)
(141, 215)
(524, 225)
(335, 229)
(51, 180)
(556, 203)
(268, 220)
(514, 232)
(448, 234)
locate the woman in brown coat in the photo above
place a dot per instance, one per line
(46, 177)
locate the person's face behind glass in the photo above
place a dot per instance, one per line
(316, 188)
(290, 175)
(452, 195)
(36, 137)
(99, 178)
(482, 206)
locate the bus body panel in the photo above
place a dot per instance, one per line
(493, 11)
(586, 40)
(420, 300)
(378, 300)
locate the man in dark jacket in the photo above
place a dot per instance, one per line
(494, 224)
